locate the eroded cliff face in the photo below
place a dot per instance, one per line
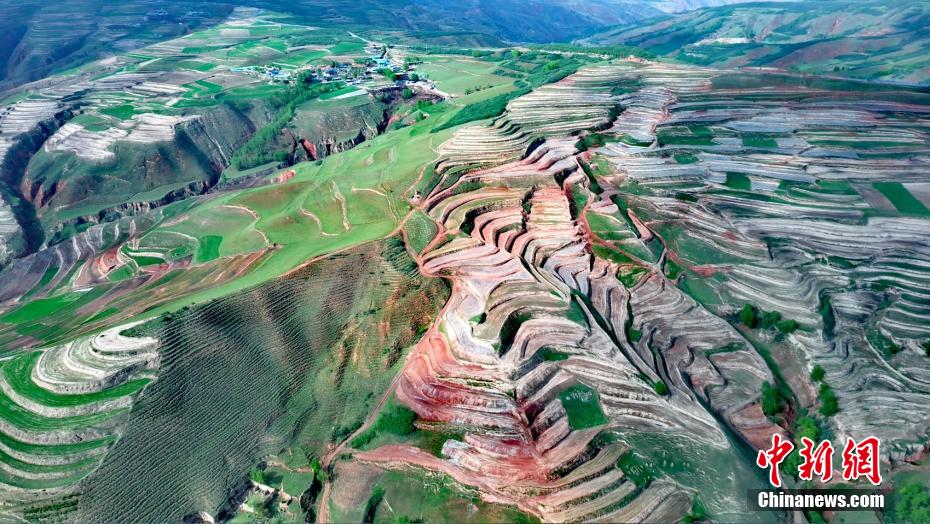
(65, 188)
(20, 229)
(195, 148)
(59, 178)
(65, 229)
(322, 132)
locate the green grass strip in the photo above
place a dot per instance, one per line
(46, 278)
(26, 420)
(54, 449)
(18, 374)
(29, 467)
(38, 483)
(902, 199)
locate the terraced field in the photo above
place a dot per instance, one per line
(63, 409)
(239, 238)
(868, 39)
(551, 296)
(138, 130)
(596, 293)
(311, 357)
(538, 430)
(830, 211)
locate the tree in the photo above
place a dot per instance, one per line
(698, 513)
(804, 426)
(407, 92)
(748, 316)
(893, 347)
(829, 406)
(912, 504)
(787, 326)
(771, 399)
(660, 388)
(257, 475)
(770, 318)
(818, 373)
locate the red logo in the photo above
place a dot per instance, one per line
(817, 461)
(774, 456)
(861, 460)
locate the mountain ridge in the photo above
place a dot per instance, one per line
(866, 40)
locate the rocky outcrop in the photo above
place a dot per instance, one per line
(324, 131)
(25, 127)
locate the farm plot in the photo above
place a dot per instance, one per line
(64, 407)
(821, 178)
(902, 199)
(420, 230)
(239, 374)
(221, 230)
(582, 407)
(413, 495)
(372, 196)
(456, 74)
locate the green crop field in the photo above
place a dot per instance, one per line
(757, 140)
(415, 496)
(147, 260)
(339, 92)
(91, 122)
(209, 247)
(250, 92)
(196, 65)
(202, 88)
(122, 112)
(456, 74)
(348, 47)
(582, 406)
(902, 199)
(299, 58)
(43, 307)
(18, 371)
(46, 278)
(420, 230)
(738, 181)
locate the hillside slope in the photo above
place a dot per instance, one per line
(646, 264)
(869, 40)
(38, 39)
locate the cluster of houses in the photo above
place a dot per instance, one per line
(336, 72)
(380, 64)
(378, 61)
(376, 64)
(355, 74)
(273, 73)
